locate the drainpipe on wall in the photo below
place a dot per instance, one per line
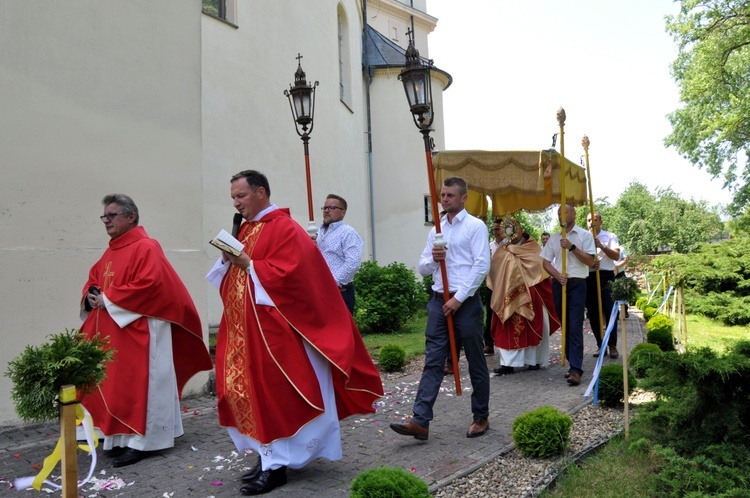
(369, 73)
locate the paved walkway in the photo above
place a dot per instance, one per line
(204, 463)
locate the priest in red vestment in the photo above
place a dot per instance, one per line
(290, 362)
(134, 299)
(522, 302)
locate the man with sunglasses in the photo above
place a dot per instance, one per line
(341, 246)
(136, 300)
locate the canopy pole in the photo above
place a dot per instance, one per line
(600, 333)
(563, 225)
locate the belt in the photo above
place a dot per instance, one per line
(575, 279)
(439, 295)
(346, 286)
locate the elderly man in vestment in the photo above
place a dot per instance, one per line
(135, 299)
(524, 311)
(290, 362)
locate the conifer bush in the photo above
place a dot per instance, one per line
(611, 389)
(641, 358)
(659, 332)
(386, 482)
(641, 303)
(649, 313)
(392, 357)
(542, 432)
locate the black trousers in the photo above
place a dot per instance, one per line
(592, 304)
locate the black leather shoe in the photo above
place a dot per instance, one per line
(268, 480)
(254, 473)
(534, 367)
(114, 452)
(129, 457)
(503, 370)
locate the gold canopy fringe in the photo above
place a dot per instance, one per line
(514, 180)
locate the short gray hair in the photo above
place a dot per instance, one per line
(125, 202)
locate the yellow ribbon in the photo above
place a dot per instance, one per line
(52, 460)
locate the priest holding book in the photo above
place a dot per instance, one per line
(290, 362)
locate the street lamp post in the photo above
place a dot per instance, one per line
(417, 82)
(302, 104)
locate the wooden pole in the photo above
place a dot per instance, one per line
(439, 241)
(563, 224)
(624, 330)
(586, 142)
(69, 465)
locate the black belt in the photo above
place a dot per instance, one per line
(575, 279)
(439, 295)
(344, 287)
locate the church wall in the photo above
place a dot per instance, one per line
(97, 97)
(248, 123)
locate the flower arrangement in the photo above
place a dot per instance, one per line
(38, 373)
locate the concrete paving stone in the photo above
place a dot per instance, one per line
(204, 463)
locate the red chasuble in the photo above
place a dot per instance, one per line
(521, 290)
(265, 382)
(135, 275)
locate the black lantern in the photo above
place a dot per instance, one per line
(417, 85)
(302, 101)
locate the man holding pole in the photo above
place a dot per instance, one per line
(580, 244)
(608, 251)
(467, 258)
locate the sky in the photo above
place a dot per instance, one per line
(606, 62)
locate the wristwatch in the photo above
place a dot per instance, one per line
(572, 248)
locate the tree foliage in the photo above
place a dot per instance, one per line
(712, 69)
(649, 223)
(716, 279)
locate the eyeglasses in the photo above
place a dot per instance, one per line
(331, 208)
(109, 216)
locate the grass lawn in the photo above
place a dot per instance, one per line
(702, 331)
(410, 337)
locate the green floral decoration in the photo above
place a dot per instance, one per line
(624, 289)
(39, 372)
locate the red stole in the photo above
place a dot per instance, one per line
(266, 385)
(134, 274)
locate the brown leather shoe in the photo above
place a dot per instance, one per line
(412, 429)
(574, 378)
(613, 353)
(478, 427)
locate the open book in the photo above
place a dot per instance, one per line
(227, 243)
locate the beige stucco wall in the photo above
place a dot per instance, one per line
(96, 98)
(248, 123)
(161, 102)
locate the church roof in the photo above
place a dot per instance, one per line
(380, 52)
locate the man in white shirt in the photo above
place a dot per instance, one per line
(467, 260)
(608, 251)
(341, 246)
(580, 257)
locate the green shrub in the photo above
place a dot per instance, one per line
(660, 323)
(386, 297)
(649, 312)
(641, 302)
(702, 399)
(39, 372)
(659, 332)
(741, 347)
(611, 390)
(641, 358)
(385, 482)
(720, 470)
(392, 357)
(542, 432)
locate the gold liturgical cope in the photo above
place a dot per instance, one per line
(514, 180)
